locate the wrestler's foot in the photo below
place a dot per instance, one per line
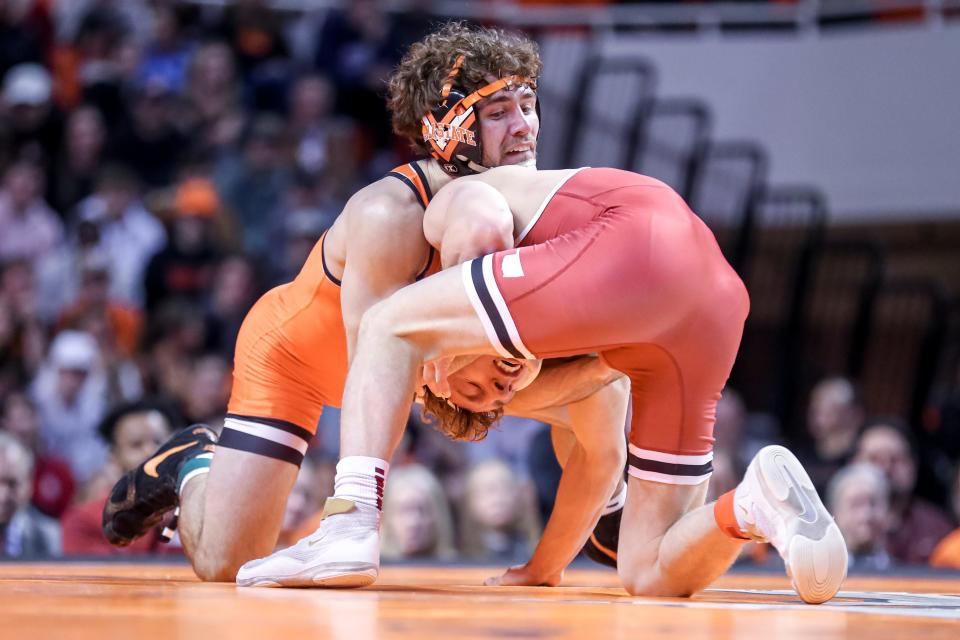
(142, 497)
(602, 545)
(343, 552)
(777, 503)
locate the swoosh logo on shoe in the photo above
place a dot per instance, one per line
(809, 512)
(150, 466)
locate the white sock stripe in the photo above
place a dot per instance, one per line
(193, 474)
(663, 478)
(362, 464)
(204, 456)
(478, 308)
(672, 458)
(267, 432)
(502, 309)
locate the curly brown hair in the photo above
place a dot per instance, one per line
(414, 88)
(455, 422)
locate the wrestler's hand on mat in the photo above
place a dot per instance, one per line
(521, 576)
(433, 375)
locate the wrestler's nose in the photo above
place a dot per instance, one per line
(504, 389)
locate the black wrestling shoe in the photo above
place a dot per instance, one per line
(602, 545)
(142, 497)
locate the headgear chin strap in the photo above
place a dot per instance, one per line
(452, 129)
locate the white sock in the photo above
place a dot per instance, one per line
(361, 480)
(616, 502)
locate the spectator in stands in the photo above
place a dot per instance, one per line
(29, 228)
(416, 516)
(834, 417)
(53, 483)
(70, 394)
(357, 48)
(916, 526)
(133, 431)
(93, 304)
(311, 123)
(128, 234)
(302, 230)
(150, 142)
(255, 31)
(499, 520)
(87, 62)
(23, 335)
(946, 555)
(20, 39)
(78, 161)
(214, 116)
(115, 326)
(858, 498)
(184, 269)
(166, 58)
(234, 291)
(739, 433)
(174, 338)
(204, 399)
(255, 181)
(35, 126)
(24, 531)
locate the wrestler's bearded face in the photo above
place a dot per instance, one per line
(509, 126)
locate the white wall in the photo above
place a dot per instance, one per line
(872, 117)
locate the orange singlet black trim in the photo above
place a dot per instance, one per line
(323, 260)
(413, 176)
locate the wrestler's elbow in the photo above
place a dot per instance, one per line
(388, 322)
(476, 237)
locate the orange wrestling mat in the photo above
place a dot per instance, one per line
(131, 601)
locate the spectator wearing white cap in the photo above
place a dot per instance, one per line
(70, 392)
(29, 229)
(35, 126)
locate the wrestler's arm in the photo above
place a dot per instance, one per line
(591, 472)
(386, 250)
(468, 219)
(562, 381)
(399, 328)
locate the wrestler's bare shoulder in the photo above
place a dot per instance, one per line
(522, 183)
(384, 209)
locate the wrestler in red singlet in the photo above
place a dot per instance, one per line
(616, 263)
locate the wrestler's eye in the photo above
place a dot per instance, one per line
(496, 115)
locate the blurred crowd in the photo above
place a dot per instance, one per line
(162, 164)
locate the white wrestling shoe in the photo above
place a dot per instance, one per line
(343, 552)
(777, 503)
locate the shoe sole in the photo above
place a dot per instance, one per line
(816, 552)
(339, 575)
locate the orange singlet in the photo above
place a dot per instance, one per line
(291, 354)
